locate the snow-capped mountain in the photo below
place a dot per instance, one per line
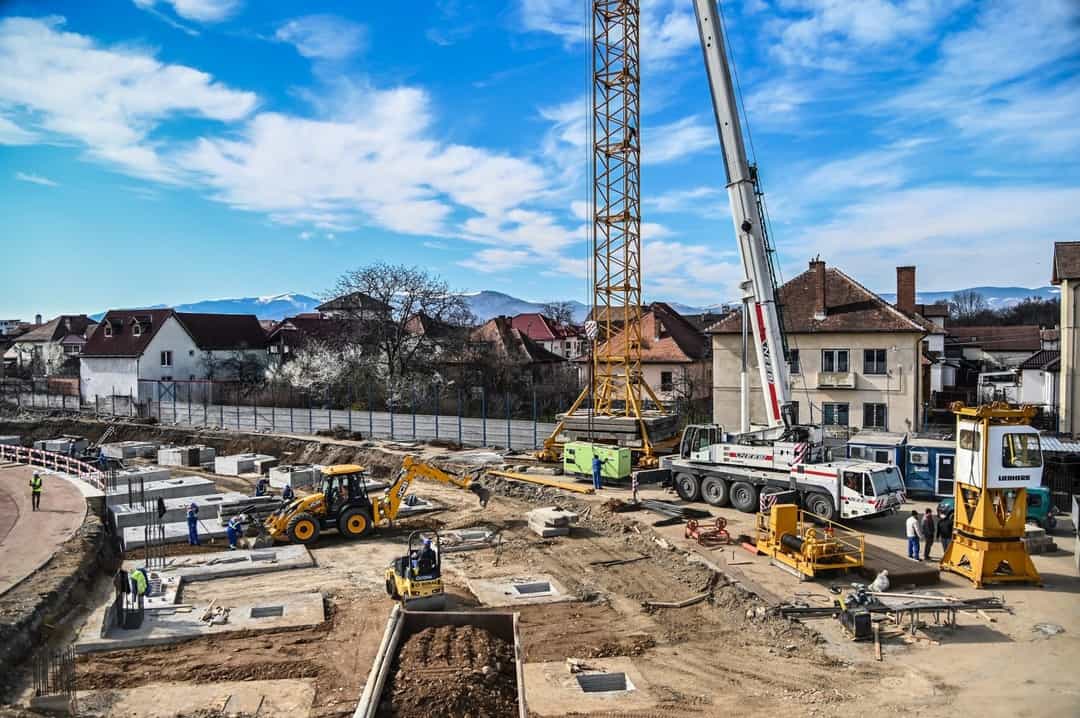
(277, 306)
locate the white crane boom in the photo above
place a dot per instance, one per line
(759, 293)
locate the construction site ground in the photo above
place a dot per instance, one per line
(708, 659)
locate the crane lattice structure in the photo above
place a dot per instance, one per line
(616, 385)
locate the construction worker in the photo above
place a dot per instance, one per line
(262, 487)
(634, 486)
(193, 523)
(425, 559)
(945, 529)
(35, 491)
(287, 493)
(929, 528)
(914, 532)
(233, 529)
(597, 467)
(139, 583)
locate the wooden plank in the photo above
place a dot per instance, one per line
(535, 479)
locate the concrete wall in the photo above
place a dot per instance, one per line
(899, 390)
(1068, 379)
(101, 376)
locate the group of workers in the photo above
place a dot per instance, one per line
(924, 529)
(234, 528)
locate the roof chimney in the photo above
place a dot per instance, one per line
(817, 272)
(905, 289)
(37, 320)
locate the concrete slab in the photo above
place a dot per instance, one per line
(297, 476)
(169, 488)
(553, 690)
(175, 509)
(67, 445)
(469, 539)
(236, 464)
(263, 466)
(11, 440)
(190, 455)
(544, 531)
(518, 590)
(175, 532)
(226, 564)
(293, 610)
(552, 516)
(267, 699)
(130, 450)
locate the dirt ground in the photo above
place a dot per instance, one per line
(707, 659)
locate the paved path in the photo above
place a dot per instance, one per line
(29, 539)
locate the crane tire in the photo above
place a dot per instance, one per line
(687, 487)
(355, 523)
(821, 506)
(715, 491)
(303, 528)
(744, 497)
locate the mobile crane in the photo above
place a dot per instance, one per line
(343, 502)
(728, 468)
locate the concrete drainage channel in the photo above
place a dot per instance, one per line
(599, 683)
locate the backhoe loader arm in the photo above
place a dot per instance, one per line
(410, 469)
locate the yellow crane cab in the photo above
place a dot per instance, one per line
(415, 579)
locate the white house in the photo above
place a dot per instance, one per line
(132, 349)
(51, 347)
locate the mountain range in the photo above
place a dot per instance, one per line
(488, 303)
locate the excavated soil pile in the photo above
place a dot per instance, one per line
(453, 671)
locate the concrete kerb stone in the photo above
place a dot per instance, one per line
(125, 515)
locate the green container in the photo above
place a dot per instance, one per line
(615, 460)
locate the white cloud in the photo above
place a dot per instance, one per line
(13, 134)
(110, 100)
(974, 230)
(667, 27)
(995, 81)
(198, 10)
(489, 261)
(701, 200)
(689, 273)
(675, 140)
(35, 179)
(833, 33)
(323, 37)
(305, 235)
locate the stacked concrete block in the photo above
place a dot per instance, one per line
(170, 488)
(237, 464)
(125, 515)
(67, 445)
(130, 450)
(295, 475)
(1036, 540)
(193, 455)
(551, 521)
(263, 465)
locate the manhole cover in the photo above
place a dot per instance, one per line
(267, 611)
(533, 589)
(604, 682)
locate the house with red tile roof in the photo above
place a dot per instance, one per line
(566, 341)
(856, 361)
(51, 347)
(133, 350)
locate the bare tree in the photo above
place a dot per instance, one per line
(967, 305)
(401, 319)
(561, 312)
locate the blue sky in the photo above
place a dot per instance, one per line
(163, 151)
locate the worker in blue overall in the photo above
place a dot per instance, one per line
(597, 467)
(262, 487)
(233, 529)
(287, 493)
(193, 523)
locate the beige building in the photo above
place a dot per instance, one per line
(1067, 277)
(856, 361)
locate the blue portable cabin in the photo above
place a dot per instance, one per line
(930, 467)
(883, 447)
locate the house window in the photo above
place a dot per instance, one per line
(166, 358)
(834, 414)
(136, 330)
(793, 361)
(834, 360)
(874, 416)
(666, 382)
(108, 330)
(874, 361)
(71, 349)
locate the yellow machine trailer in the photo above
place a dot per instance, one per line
(809, 547)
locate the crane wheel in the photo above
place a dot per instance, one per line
(303, 528)
(744, 497)
(715, 491)
(687, 487)
(355, 523)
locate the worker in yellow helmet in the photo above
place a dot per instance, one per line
(35, 491)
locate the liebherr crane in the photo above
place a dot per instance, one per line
(724, 468)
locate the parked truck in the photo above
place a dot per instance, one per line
(723, 469)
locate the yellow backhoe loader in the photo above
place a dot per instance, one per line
(343, 502)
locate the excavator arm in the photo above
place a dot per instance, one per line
(388, 506)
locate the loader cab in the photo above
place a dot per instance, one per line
(344, 485)
(697, 439)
